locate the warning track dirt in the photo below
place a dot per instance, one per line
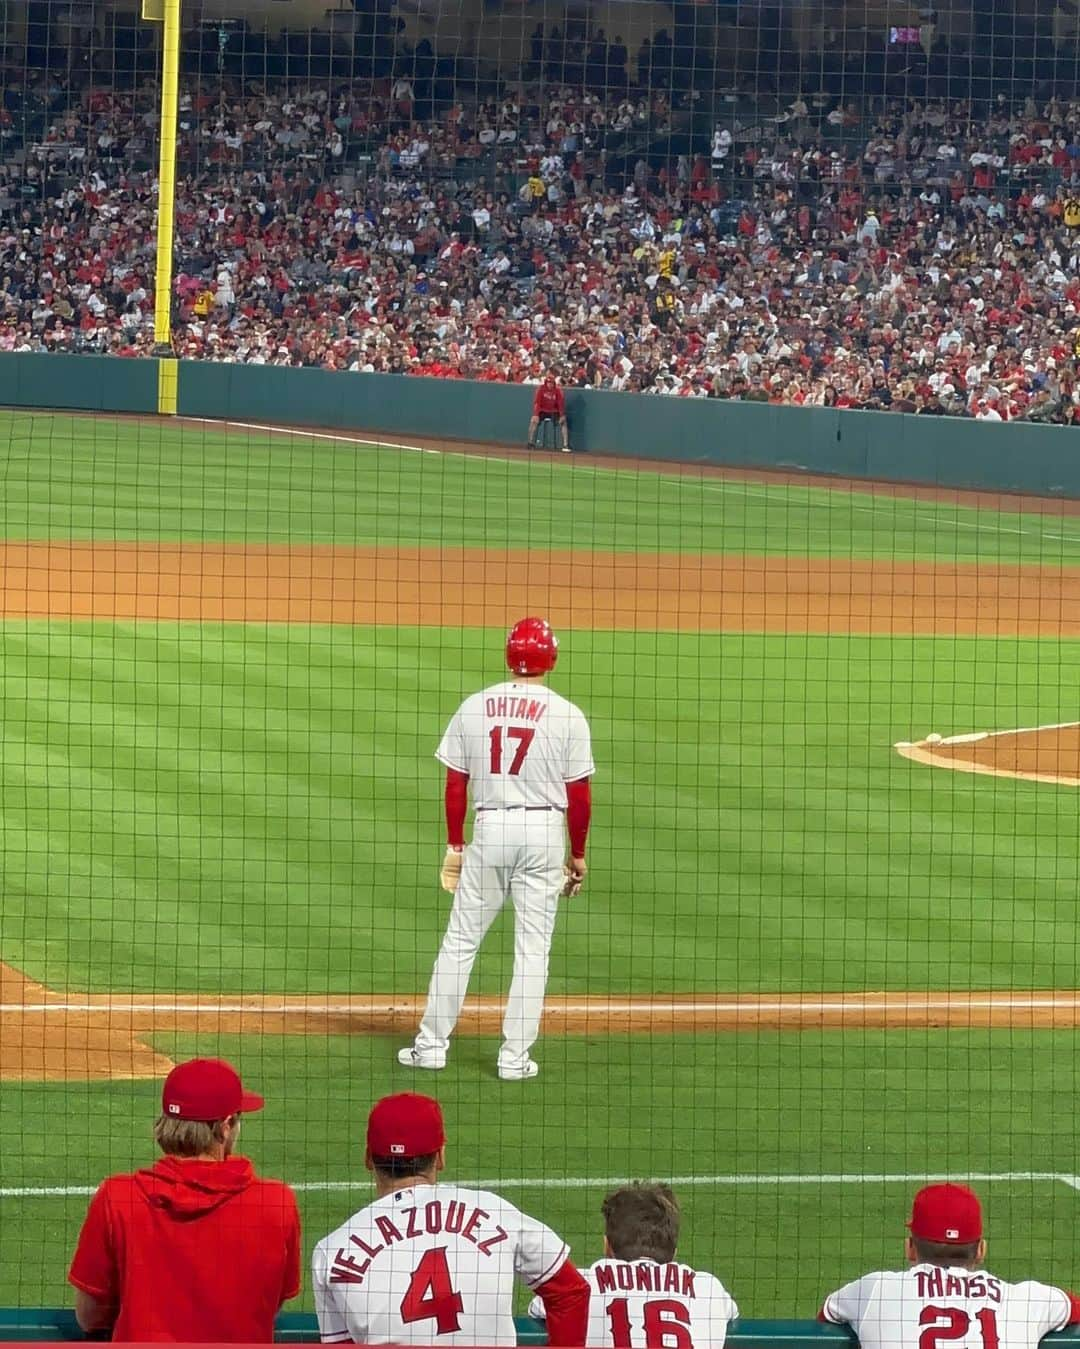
(463, 587)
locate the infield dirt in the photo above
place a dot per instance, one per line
(51, 1036)
(1038, 754)
(486, 587)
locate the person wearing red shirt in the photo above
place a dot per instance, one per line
(195, 1248)
(549, 405)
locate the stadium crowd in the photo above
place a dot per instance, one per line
(198, 1248)
(923, 260)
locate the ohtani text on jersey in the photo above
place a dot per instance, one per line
(934, 1283)
(434, 1219)
(641, 1277)
(532, 709)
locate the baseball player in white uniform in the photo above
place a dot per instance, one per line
(642, 1298)
(944, 1300)
(527, 756)
(434, 1263)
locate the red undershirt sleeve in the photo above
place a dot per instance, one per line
(578, 814)
(457, 803)
(566, 1306)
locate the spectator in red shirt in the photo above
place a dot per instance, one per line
(549, 405)
(195, 1247)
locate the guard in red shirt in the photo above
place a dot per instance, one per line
(196, 1247)
(549, 405)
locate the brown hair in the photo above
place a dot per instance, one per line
(187, 1137)
(641, 1221)
(945, 1252)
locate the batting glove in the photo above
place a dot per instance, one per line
(450, 871)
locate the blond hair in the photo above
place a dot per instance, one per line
(187, 1137)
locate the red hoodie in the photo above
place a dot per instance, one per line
(191, 1250)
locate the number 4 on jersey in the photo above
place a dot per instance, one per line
(524, 737)
(430, 1295)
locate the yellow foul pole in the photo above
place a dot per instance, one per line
(168, 13)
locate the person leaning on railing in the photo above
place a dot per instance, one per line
(640, 1294)
(945, 1294)
(195, 1247)
(432, 1262)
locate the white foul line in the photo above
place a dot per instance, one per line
(606, 1182)
(311, 435)
(940, 519)
(970, 737)
(855, 1003)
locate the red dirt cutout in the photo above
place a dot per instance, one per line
(1039, 754)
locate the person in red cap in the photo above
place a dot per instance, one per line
(944, 1297)
(195, 1247)
(527, 754)
(430, 1262)
(549, 405)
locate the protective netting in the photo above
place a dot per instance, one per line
(827, 945)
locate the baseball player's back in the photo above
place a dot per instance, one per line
(643, 1304)
(930, 1306)
(945, 1298)
(524, 754)
(430, 1264)
(520, 744)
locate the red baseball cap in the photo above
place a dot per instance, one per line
(206, 1089)
(406, 1125)
(949, 1214)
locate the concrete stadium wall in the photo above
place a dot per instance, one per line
(942, 451)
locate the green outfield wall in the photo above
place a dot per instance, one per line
(942, 451)
(78, 383)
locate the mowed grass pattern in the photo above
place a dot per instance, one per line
(66, 477)
(256, 809)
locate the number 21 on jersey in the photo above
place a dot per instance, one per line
(953, 1323)
(520, 737)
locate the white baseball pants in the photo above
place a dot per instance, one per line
(515, 853)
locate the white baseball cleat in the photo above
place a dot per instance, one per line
(412, 1058)
(566, 449)
(519, 1073)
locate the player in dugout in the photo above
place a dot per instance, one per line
(195, 1247)
(944, 1295)
(429, 1261)
(641, 1296)
(549, 405)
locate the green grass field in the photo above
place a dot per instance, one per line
(254, 808)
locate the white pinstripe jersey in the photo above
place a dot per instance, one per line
(640, 1304)
(934, 1307)
(430, 1264)
(520, 745)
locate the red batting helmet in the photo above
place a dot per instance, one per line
(532, 648)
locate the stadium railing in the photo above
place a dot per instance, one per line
(38, 1324)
